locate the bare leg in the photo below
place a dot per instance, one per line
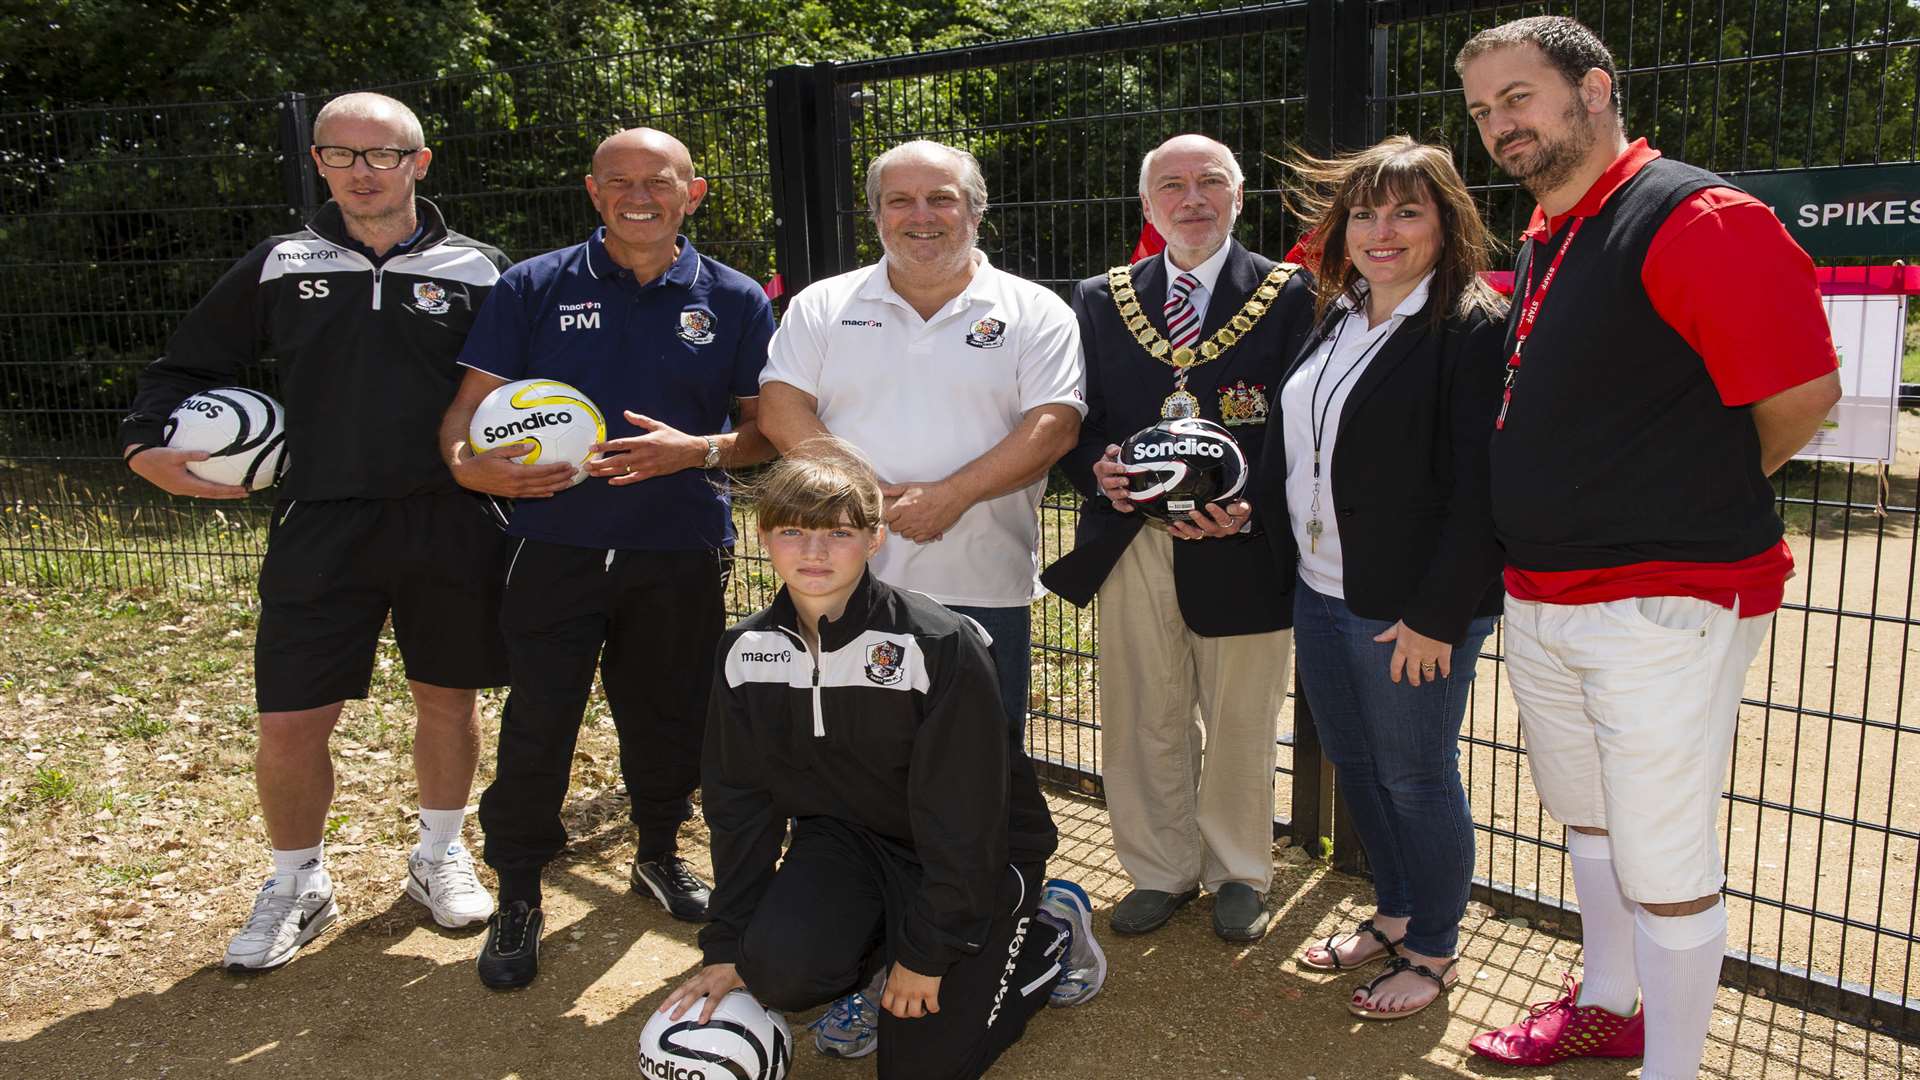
(1406, 991)
(1357, 948)
(293, 773)
(446, 744)
(1685, 907)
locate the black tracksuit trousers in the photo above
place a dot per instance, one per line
(650, 620)
(820, 932)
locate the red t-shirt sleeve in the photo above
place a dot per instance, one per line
(1723, 272)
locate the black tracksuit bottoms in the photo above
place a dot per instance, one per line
(651, 621)
(822, 928)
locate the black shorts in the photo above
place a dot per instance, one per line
(334, 571)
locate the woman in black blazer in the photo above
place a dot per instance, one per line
(1386, 415)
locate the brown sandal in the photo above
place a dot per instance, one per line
(1394, 967)
(1386, 949)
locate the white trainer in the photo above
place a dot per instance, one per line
(449, 887)
(1085, 963)
(283, 920)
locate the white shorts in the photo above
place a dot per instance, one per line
(1629, 709)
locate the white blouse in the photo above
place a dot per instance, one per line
(1313, 398)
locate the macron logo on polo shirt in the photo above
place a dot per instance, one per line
(874, 323)
(582, 316)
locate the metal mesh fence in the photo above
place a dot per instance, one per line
(112, 223)
(115, 221)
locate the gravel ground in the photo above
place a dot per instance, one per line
(388, 994)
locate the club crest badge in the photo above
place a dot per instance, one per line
(987, 334)
(883, 663)
(431, 297)
(697, 326)
(1241, 404)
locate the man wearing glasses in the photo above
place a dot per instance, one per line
(364, 310)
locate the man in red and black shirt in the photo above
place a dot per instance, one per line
(1667, 351)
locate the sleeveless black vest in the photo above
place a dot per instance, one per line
(1617, 449)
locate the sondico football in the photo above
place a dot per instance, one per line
(244, 433)
(560, 423)
(744, 1041)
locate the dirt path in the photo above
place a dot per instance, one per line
(390, 995)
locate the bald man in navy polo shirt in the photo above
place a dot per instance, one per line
(627, 569)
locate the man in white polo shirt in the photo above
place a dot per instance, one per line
(964, 384)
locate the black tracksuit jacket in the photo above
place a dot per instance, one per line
(365, 352)
(895, 727)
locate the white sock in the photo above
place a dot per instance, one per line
(299, 865)
(1679, 961)
(1606, 921)
(439, 830)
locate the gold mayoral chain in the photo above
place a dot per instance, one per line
(1181, 403)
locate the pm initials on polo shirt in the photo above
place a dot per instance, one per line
(678, 349)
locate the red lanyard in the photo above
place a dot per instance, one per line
(1528, 313)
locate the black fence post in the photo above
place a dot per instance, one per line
(297, 182)
(1341, 74)
(1312, 808)
(787, 139)
(803, 152)
(840, 100)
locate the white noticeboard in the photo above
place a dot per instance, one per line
(1869, 333)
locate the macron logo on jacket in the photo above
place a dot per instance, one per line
(877, 659)
(462, 266)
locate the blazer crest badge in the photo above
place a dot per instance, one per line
(1242, 404)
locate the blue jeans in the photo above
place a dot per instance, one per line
(1396, 754)
(1011, 629)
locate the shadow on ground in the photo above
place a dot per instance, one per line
(390, 995)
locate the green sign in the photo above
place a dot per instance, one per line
(1871, 211)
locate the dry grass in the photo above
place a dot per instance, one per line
(131, 832)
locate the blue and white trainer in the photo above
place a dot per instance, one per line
(445, 882)
(1082, 957)
(288, 911)
(850, 1028)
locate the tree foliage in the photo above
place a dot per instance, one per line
(115, 213)
(62, 53)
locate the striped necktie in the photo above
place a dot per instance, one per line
(1183, 322)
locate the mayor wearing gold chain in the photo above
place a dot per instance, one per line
(1380, 460)
(1193, 627)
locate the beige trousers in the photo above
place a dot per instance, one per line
(1187, 732)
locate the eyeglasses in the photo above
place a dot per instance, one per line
(380, 157)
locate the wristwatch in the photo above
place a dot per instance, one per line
(712, 459)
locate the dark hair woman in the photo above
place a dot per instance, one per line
(1386, 416)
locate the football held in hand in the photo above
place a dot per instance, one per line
(556, 420)
(1177, 466)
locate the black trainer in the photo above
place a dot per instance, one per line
(674, 884)
(511, 957)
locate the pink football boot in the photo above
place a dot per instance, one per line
(1555, 1031)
